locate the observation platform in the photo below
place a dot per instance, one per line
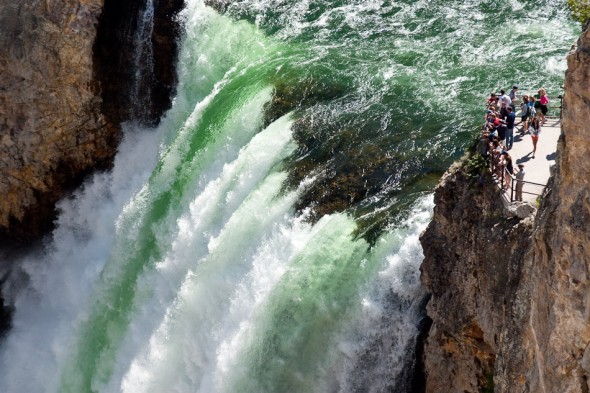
(538, 169)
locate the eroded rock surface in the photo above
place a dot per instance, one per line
(474, 264)
(560, 307)
(51, 128)
(65, 76)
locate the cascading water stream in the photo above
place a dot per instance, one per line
(231, 250)
(143, 63)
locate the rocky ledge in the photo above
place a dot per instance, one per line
(510, 297)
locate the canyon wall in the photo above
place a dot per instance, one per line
(510, 297)
(475, 264)
(51, 128)
(65, 78)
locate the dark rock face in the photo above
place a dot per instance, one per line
(137, 74)
(69, 75)
(51, 129)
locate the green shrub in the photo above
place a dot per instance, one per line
(580, 10)
(474, 167)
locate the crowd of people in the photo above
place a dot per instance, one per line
(497, 136)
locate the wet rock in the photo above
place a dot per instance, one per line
(134, 87)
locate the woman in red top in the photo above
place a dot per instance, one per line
(543, 101)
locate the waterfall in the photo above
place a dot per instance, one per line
(231, 250)
(143, 63)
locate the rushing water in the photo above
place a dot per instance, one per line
(262, 244)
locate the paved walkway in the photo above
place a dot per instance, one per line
(537, 170)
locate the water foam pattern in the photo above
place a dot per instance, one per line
(187, 269)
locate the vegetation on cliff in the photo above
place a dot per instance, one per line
(580, 10)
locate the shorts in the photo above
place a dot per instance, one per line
(544, 109)
(524, 118)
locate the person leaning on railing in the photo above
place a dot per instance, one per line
(508, 170)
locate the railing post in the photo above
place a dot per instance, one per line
(512, 191)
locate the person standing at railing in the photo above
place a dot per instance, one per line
(504, 111)
(502, 130)
(508, 170)
(543, 102)
(504, 99)
(492, 101)
(535, 130)
(524, 114)
(510, 120)
(519, 182)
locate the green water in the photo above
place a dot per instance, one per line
(396, 93)
(411, 77)
(274, 245)
(384, 95)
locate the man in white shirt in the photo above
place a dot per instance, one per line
(504, 98)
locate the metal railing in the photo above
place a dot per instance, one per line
(508, 182)
(551, 99)
(517, 187)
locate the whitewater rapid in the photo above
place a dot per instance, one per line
(188, 267)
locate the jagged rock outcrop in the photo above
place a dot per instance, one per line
(474, 252)
(64, 88)
(511, 300)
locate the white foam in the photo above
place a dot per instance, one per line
(61, 278)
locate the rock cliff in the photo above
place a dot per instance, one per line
(51, 128)
(511, 298)
(64, 83)
(474, 264)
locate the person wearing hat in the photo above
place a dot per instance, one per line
(519, 182)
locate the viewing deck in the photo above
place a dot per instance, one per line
(538, 169)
